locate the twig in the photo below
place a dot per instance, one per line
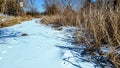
(72, 63)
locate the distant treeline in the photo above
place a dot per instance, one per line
(17, 7)
(56, 6)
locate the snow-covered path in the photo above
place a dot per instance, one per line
(37, 50)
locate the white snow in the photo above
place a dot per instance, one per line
(37, 50)
(3, 52)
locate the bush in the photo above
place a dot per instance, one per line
(52, 10)
(33, 12)
(68, 16)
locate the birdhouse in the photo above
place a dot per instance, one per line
(21, 4)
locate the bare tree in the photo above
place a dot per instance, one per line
(62, 4)
(51, 7)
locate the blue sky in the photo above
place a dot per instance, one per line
(39, 4)
(35, 4)
(93, 0)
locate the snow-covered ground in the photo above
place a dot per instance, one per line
(37, 50)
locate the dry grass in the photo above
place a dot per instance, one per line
(101, 23)
(102, 26)
(50, 19)
(68, 17)
(16, 15)
(6, 21)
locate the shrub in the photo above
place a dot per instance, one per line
(68, 16)
(52, 10)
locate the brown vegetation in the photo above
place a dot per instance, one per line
(15, 12)
(50, 19)
(103, 27)
(6, 21)
(10, 7)
(100, 22)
